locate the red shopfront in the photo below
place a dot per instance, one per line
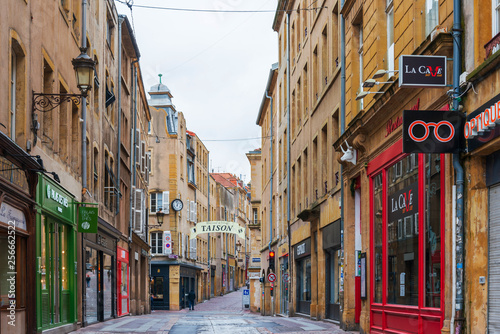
(407, 203)
(123, 288)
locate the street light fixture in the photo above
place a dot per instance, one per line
(42, 102)
(159, 216)
(84, 69)
(362, 95)
(381, 73)
(371, 82)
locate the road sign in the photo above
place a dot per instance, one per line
(246, 298)
(285, 277)
(271, 277)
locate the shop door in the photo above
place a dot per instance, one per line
(332, 285)
(284, 286)
(55, 294)
(494, 260)
(159, 293)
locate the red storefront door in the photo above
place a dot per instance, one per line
(407, 242)
(123, 289)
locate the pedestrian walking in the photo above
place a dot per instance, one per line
(191, 298)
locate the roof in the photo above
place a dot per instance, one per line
(222, 180)
(273, 72)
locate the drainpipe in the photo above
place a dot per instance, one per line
(457, 63)
(84, 104)
(342, 130)
(120, 22)
(271, 192)
(290, 295)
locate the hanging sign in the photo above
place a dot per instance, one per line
(422, 71)
(87, 219)
(432, 131)
(483, 124)
(218, 226)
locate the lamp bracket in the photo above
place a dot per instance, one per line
(46, 102)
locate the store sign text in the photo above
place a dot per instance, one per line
(404, 202)
(485, 121)
(54, 195)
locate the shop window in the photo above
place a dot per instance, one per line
(431, 15)
(402, 252)
(304, 280)
(157, 288)
(19, 253)
(405, 214)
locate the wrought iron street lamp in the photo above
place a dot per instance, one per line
(159, 217)
(42, 102)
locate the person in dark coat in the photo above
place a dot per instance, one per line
(191, 298)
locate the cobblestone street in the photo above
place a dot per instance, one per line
(219, 315)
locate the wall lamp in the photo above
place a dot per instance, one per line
(371, 82)
(84, 67)
(54, 174)
(380, 73)
(159, 217)
(362, 95)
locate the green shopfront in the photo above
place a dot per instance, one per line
(56, 237)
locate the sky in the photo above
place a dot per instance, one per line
(216, 66)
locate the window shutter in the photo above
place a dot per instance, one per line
(137, 153)
(143, 157)
(166, 202)
(148, 165)
(195, 212)
(139, 205)
(192, 212)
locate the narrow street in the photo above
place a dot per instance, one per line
(218, 316)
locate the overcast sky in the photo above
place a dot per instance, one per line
(215, 64)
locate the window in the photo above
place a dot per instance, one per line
(190, 170)
(17, 104)
(159, 201)
(324, 56)
(95, 89)
(156, 242)
(63, 126)
(495, 27)
(390, 35)
(96, 173)
(360, 60)
(432, 15)
(397, 262)
(110, 28)
(48, 125)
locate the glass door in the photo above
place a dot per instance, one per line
(54, 273)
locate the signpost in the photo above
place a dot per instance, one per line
(285, 277)
(271, 277)
(246, 298)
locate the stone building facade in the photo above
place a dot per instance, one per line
(77, 169)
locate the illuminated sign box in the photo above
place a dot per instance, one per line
(422, 71)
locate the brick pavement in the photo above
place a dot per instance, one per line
(219, 315)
